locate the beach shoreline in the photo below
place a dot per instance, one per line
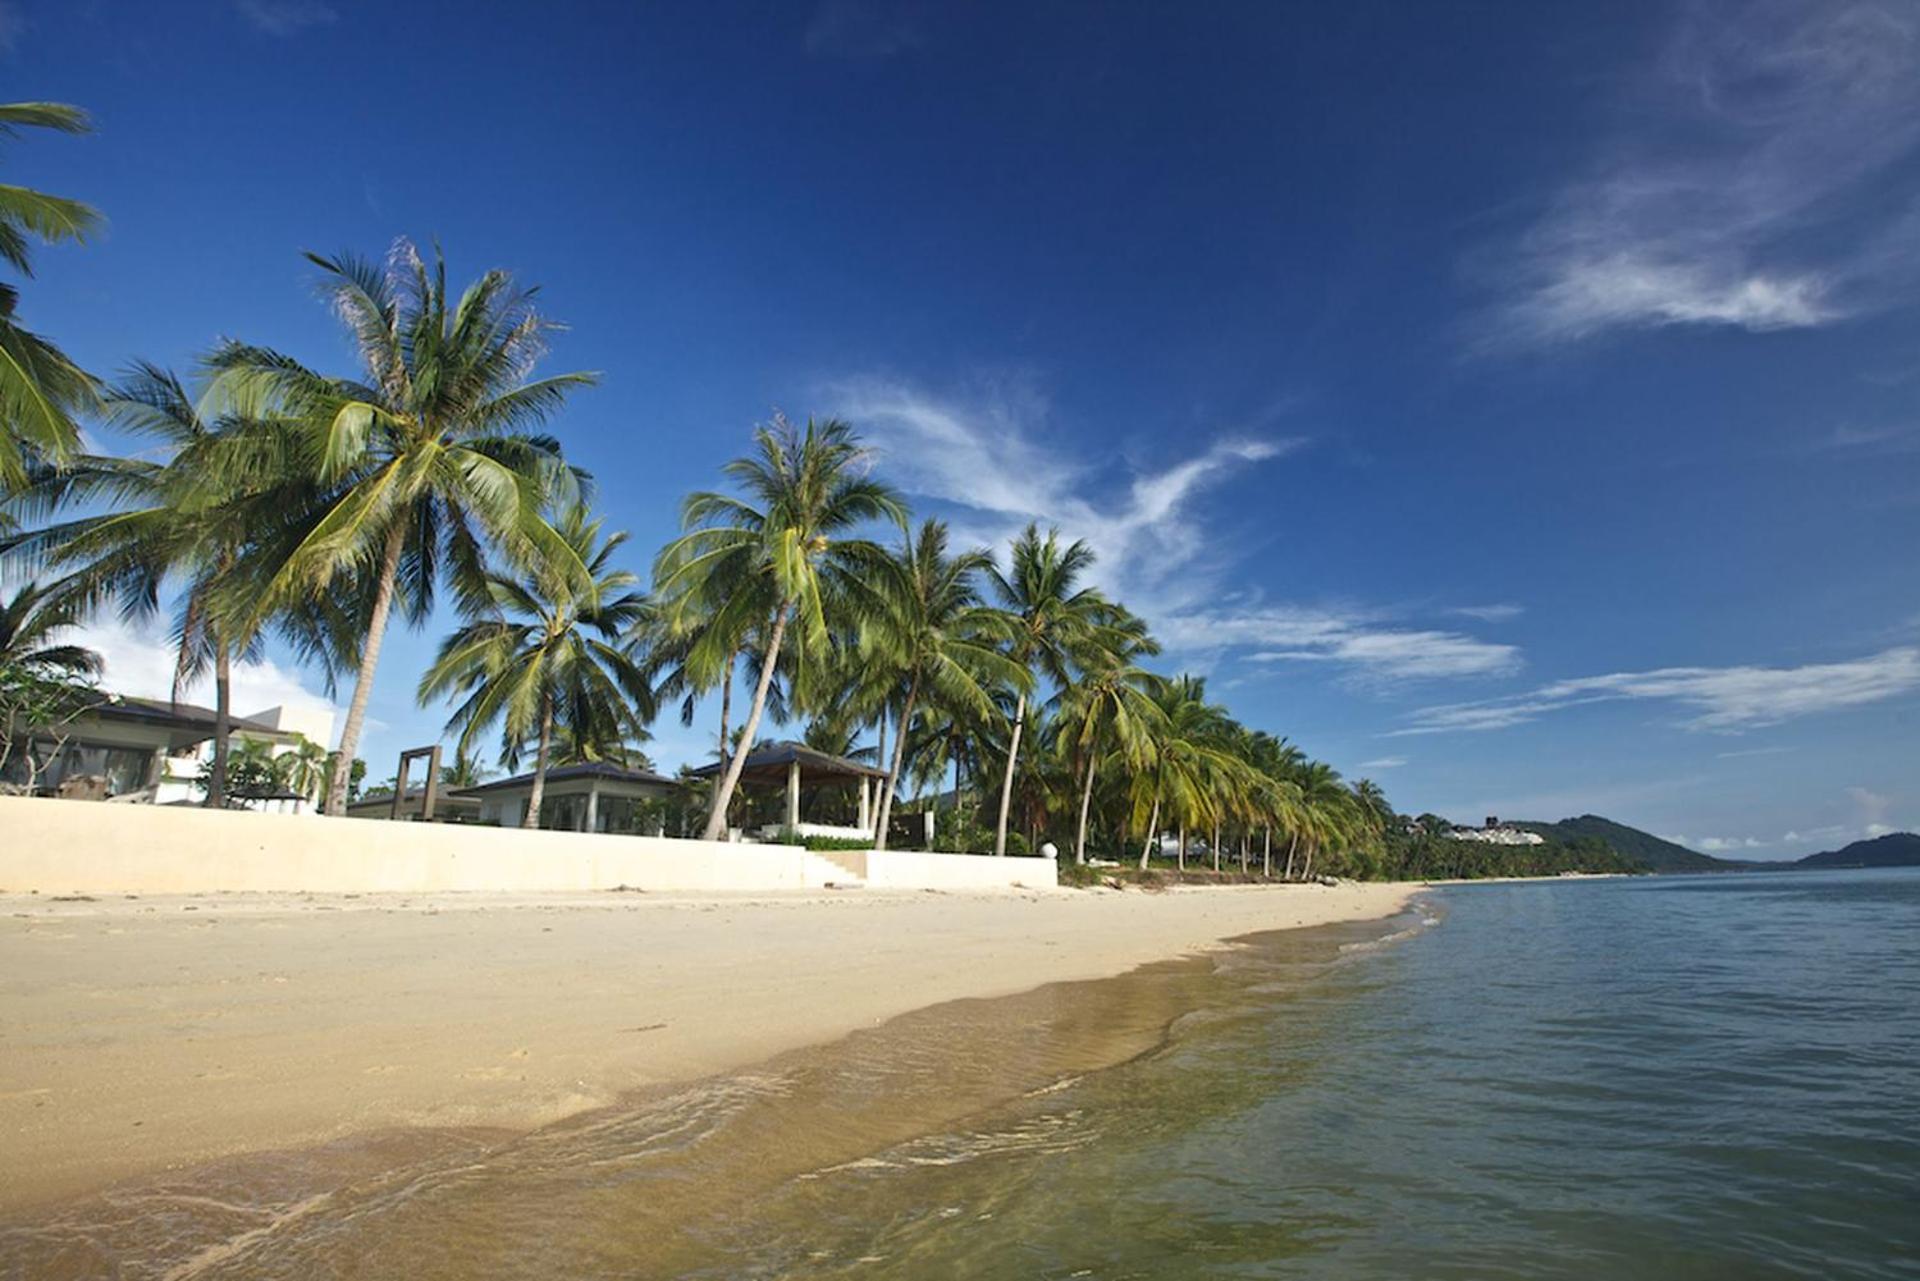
(154, 1034)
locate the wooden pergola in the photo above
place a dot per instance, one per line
(794, 766)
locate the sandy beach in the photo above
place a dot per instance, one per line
(143, 1034)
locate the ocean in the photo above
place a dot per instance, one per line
(1689, 1077)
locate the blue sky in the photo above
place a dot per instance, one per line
(1514, 403)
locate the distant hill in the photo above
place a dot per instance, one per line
(1631, 842)
(1897, 849)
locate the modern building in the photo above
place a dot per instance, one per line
(595, 796)
(151, 751)
(1495, 833)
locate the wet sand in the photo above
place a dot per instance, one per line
(143, 1035)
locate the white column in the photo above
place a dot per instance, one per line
(866, 802)
(593, 805)
(793, 792)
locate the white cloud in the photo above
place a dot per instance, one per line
(139, 660)
(1504, 613)
(1721, 698)
(1403, 655)
(1751, 751)
(286, 17)
(1384, 762)
(1748, 189)
(991, 458)
(1726, 844)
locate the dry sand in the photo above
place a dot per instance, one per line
(144, 1034)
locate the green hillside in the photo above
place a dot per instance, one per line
(1896, 849)
(1631, 842)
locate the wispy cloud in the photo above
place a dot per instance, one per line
(866, 30)
(1384, 762)
(1871, 442)
(1751, 751)
(286, 17)
(990, 457)
(11, 26)
(1505, 613)
(1397, 655)
(1720, 698)
(1719, 844)
(1758, 184)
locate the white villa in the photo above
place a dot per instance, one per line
(150, 751)
(1495, 833)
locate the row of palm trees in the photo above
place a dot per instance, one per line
(278, 501)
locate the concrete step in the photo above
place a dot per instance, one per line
(840, 868)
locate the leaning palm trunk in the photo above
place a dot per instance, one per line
(539, 792)
(1292, 844)
(1153, 833)
(726, 706)
(1266, 852)
(1006, 784)
(369, 662)
(1214, 847)
(222, 725)
(723, 796)
(885, 816)
(1086, 801)
(1180, 854)
(1306, 870)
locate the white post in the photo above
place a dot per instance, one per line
(866, 803)
(593, 806)
(793, 793)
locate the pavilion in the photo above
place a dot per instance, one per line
(799, 769)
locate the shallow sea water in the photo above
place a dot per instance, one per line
(1702, 1077)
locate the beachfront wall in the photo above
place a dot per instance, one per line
(913, 869)
(65, 847)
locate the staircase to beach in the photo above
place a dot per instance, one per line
(842, 869)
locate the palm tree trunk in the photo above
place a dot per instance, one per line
(369, 661)
(1266, 853)
(730, 779)
(1006, 784)
(885, 815)
(1214, 845)
(532, 820)
(1086, 801)
(726, 705)
(1153, 833)
(1181, 852)
(1292, 844)
(1244, 839)
(222, 724)
(1306, 872)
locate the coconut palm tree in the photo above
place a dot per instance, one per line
(933, 637)
(1326, 809)
(432, 454)
(806, 491)
(541, 651)
(40, 389)
(1110, 710)
(29, 623)
(220, 492)
(1053, 616)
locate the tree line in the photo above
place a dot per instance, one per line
(277, 501)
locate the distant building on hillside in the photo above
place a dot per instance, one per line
(1494, 834)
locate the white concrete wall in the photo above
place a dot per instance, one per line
(59, 847)
(914, 869)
